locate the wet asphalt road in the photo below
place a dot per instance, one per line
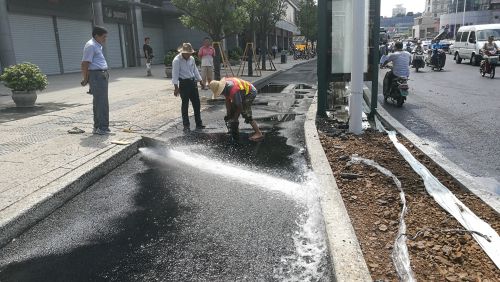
(456, 111)
(195, 208)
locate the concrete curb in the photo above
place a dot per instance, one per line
(37, 206)
(346, 258)
(464, 179)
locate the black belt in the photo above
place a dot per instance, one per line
(99, 70)
(186, 79)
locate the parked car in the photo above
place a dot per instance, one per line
(451, 49)
(446, 45)
(470, 40)
(426, 44)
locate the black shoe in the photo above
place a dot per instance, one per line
(186, 129)
(201, 126)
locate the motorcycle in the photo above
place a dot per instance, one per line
(436, 59)
(398, 90)
(488, 64)
(418, 60)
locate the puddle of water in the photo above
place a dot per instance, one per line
(272, 88)
(303, 86)
(279, 118)
(309, 261)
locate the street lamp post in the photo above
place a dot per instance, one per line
(463, 15)
(356, 98)
(455, 28)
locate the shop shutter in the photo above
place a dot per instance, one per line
(156, 35)
(34, 41)
(113, 47)
(73, 35)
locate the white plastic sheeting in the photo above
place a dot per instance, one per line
(400, 255)
(490, 242)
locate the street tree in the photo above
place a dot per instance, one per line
(264, 14)
(218, 18)
(307, 20)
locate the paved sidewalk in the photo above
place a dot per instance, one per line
(38, 156)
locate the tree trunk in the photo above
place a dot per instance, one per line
(263, 52)
(217, 59)
(217, 67)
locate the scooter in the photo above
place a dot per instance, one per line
(398, 90)
(488, 64)
(418, 60)
(436, 59)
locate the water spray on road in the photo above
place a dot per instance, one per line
(309, 259)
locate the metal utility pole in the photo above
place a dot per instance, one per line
(322, 64)
(356, 98)
(463, 15)
(376, 58)
(456, 14)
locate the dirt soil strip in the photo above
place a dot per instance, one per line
(372, 201)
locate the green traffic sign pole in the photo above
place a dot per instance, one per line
(322, 56)
(376, 58)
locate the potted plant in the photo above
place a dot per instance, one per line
(24, 80)
(167, 61)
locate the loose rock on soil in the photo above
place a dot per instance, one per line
(438, 252)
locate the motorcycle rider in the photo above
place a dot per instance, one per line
(436, 45)
(418, 48)
(490, 46)
(401, 61)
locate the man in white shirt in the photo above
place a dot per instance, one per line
(401, 61)
(95, 72)
(185, 74)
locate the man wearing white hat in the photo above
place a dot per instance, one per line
(240, 95)
(185, 75)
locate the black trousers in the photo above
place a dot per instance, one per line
(389, 76)
(189, 92)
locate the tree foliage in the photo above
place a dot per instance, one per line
(307, 19)
(264, 14)
(218, 18)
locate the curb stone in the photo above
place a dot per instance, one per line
(42, 203)
(345, 255)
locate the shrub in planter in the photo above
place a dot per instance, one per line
(167, 61)
(24, 80)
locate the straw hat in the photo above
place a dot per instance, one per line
(186, 48)
(217, 86)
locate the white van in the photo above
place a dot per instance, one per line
(470, 39)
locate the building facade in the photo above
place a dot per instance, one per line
(398, 10)
(401, 25)
(427, 25)
(52, 33)
(470, 12)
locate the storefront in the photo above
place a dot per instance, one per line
(52, 33)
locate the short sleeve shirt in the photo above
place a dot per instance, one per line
(92, 53)
(401, 63)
